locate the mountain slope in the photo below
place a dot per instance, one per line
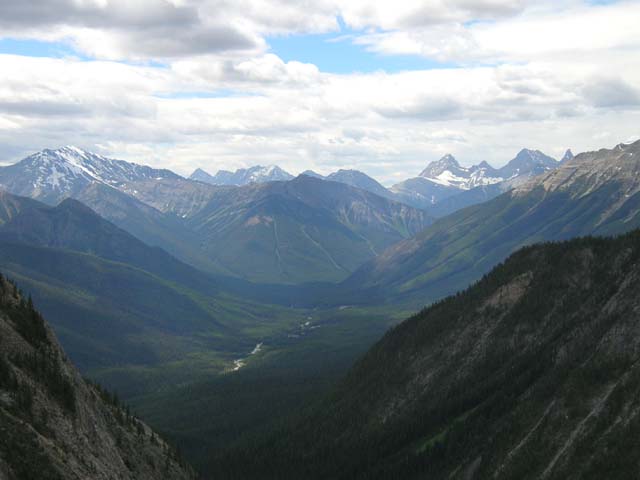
(359, 180)
(534, 372)
(595, 193)
(52, 175)
(302, 230)
(145, 222)
(421, 192)
(180, 197)
(54, 425)
(114, 300)
(73, 226)
(299, 231)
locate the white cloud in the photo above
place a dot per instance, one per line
(531, 74)
(530, 36)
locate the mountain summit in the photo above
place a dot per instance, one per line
(360, 180)
(51, 175)
(529, 163)
(445, 186)
(438, 167)
(449, 173)
(568, 155)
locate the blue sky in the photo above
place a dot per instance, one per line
(331, 52)
(335, 53)
(35, 48)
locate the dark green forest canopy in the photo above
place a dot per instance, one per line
(520, 376)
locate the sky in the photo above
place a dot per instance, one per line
(383, 87)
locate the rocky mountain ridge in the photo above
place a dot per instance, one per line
(594, 193)
(52, 175)
(242, 176)
(445, 186)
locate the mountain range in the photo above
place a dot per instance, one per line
(168, 287)
(242, 176)
(439, 181)
(277, 232)
(447, 181)
(52, 175)
(593, 193)
(271, 231)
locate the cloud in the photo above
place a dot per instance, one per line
(530, 36)
(122, 29)
(167, 29)
(427, 107)
(611, 92)
(424, 13)
(542, 74)
(288, 113)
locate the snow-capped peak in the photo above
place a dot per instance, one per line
(244, 176)
(270, 173)
(449, 173)
(55, 174)
(446, 163)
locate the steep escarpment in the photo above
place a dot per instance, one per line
(54, 424)
(533, 372)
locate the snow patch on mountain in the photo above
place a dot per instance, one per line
(243, 176)
(449, 173)
(51, 175)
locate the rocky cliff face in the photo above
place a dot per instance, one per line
(53, 423)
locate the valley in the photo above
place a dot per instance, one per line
(332, 240)
(245, 303)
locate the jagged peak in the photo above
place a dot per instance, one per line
(449, 159)
(526, 152)
(199, 174)
(484, 164)
(568, 155)
(436, 167)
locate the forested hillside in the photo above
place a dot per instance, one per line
(532, 372)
